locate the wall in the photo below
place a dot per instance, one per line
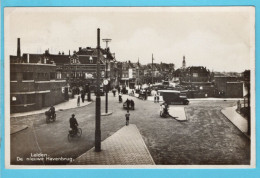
(51, 90)
(234, 90)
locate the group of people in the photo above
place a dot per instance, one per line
(130, 103)
(156, 98)
(82, 96)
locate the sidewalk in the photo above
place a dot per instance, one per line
(239, 121)
(125, 147)
(178, 111)
(72, 103)
(17, 128)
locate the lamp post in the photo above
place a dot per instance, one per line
(106, 87)
(107, 41)
(98, 113)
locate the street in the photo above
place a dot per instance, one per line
(207, 137)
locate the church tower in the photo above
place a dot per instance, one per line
(183, 63)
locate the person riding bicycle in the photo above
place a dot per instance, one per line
(52, 111)
(164, 109)
(73, 123)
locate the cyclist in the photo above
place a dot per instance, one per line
(74, 124)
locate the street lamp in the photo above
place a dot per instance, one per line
(107, 41)
(106, 84)
(98, 113)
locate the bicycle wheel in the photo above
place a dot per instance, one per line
(69, 137)
(79, 132)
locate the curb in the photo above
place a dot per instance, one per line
(25, 127)
(45, 110)
(236, 126)
(106, 114)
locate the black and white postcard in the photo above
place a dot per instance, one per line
(129, 87)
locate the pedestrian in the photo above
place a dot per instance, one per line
(78, 102)
(158, 97)
(127, 103)
(155, 97)
(127, 117)
(82, 97)
(119, 89)
(114, 92)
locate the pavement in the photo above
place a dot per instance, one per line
(125, 147)
(178, 112)
(18, 128)
(239, 121)
(72, 103)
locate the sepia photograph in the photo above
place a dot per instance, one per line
(129, 87)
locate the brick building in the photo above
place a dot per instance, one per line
(33, 82)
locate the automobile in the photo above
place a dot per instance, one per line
(174, 97)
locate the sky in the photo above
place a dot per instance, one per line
(219, 38)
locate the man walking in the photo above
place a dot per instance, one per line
(127, 117)
(83, 96)
(78, 101)
(158, 97)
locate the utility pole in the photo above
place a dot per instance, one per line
(107, 41)
(98, 113)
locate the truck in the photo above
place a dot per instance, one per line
(173, 97)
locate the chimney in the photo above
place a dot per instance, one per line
(69, 52)
(80, 48)
(18, 48)
(62, 53)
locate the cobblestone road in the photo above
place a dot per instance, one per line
(207, 137)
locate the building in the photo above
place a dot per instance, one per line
(229, 86)
(33, 83)
(128, 74)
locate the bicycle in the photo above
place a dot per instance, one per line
(72, 134)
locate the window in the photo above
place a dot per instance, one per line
(195, 75)
(27, 76)
(31, 98)
(52, 75)
(90, 59)
(58, 75)
(43, 76)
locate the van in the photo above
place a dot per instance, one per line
(173, 97)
